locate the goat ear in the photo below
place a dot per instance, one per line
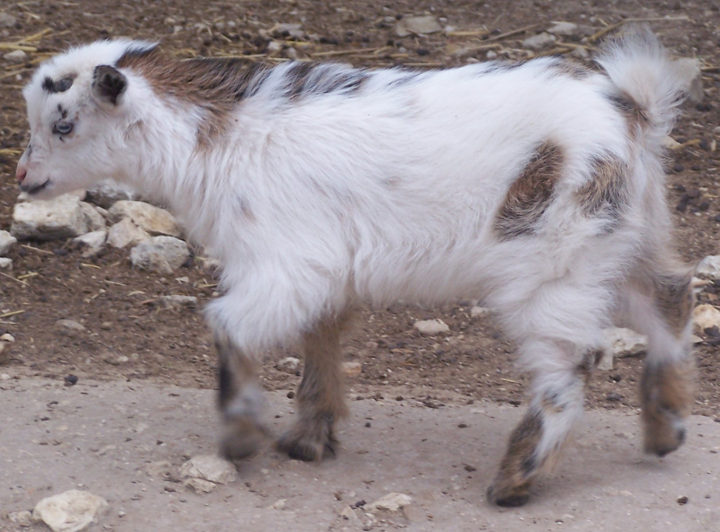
(108, 84)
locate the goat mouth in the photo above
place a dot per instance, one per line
(36, 188)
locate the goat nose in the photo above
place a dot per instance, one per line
(20, 173)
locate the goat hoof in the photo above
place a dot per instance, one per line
(509, 497)
(306, 448)
(665, 441)
(242, 438)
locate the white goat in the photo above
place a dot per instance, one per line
(537, 187)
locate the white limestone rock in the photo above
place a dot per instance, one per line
(126, 233)
(106, 193)
(70, 511)
(392, 502)
(59, 218)
(709, 267)
(7, 241)
(625, 342)
(539, 41)
(706, 317)
(209, 468)
(431, 327)
(154, 220)
(418, 25)
(91, 243)
(162, 254)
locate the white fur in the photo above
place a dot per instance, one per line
(389, 193)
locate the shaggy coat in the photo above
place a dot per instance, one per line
(537, 188)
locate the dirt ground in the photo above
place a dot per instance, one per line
(130, 338)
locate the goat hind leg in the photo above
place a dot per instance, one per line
(535, 443)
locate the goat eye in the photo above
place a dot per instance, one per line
(62, 128)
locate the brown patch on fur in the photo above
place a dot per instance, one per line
(606, 191)
(674, 299)
(531, 193)
(320, 395)
(571, 69)
(512, 483)
(667, 395)
(215, 85)
(635, 116)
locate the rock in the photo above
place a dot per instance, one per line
(59, 218)
(392, 502)
(91, 243)
(480, 312)
(105, 194)
(566, 29)
(625, 342)
(152, 219)
(69, 511)
(70, 327)
(279, 504)
(283, 30)
(6, 263)
(7, 337)
(16, 56)
(274, 47)
(289, 364)
(690, 70)
(7, 241)
(351, 369)
(178, 301)
(199, 485)
(210, 468)
(22, 518)
(419, 25)
(431, 327)
(706, 317)
(95, 221)
(709, 267)
(163, 254)
(7, 20)
(539, 41)
(126, 233)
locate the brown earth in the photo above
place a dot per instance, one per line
(129, 337)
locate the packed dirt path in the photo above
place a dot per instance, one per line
(125, 442)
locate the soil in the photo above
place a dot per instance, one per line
(129, 337)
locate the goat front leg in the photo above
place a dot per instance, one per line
(240, 400)
(320, 396)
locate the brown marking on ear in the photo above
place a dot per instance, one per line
(215, 85)
(667, 393)
(606, 191)
(530, 194)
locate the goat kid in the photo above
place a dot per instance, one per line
(537, 187)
